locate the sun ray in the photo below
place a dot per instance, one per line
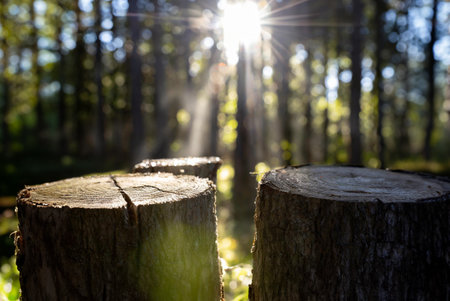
(290, 17)
(277, 44)
(266, 7)
(280, 9)
(306, 24)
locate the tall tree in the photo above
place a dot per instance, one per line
(135, 75)
(243, 195)
(62, 107)
(37, 77)
(160, 103)
(431, 79)
(98, 79)
(307, 134)
(282, 71)
(117, 92)
(379, 25)
(403, 140)
(355, 87)
(6, 101)
(326, 120)
(79, 82)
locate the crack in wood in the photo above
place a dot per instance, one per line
(166, 191)
(131, 208)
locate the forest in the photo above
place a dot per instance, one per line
(96, 86)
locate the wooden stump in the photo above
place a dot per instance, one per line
(203, 167)
(125, 237)
(347, 233)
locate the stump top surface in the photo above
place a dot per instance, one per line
(341, 183)
(187, 161)
(105, 191)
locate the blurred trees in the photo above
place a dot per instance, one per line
(353, 81)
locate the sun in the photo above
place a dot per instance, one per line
(241, 23)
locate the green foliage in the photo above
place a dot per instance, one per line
(9, 280)
(236, 282)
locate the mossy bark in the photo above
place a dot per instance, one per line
(127, 237)
(344, 233)
(203, 167)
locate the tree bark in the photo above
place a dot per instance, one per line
(349, 233)
(203, 167)
(125, 237)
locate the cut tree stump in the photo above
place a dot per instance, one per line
(348, 233)
(203, 167)
(124, 237)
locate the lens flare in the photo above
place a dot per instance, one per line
(241, 25)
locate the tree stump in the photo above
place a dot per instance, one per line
(124, 237)
(203, 167)
(348, 233)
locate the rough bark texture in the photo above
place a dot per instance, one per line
(347, 233)
(203, 167)
(127, 237)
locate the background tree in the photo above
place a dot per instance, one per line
(431, 82)
(355, 152)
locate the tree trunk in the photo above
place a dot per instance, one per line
(98, 81)
(160, 102)
(62, 106)
(137, 134)
(379, 25)
(127, 237)
(431, 62)
(326, 120)
(306, 147)
(403, 140)
(79, 82)
(214, 131)
(355, 108)
(117, 92)
(203, 167)
(349, 233)
(338, 137)
(283, 93)
(243, 192)
(6, 100)
(37, 77)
